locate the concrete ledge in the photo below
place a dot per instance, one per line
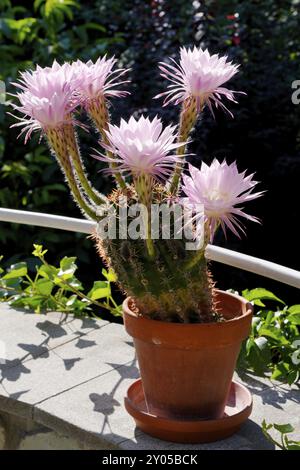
(63, 381)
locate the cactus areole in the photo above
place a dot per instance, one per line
(153, 228)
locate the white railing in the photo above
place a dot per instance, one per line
(214, 253)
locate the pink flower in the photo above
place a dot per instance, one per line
(198, 75)
(93, 80)
(220, 188)
(47, 98)
(142, 147)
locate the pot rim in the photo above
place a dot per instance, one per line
(192, 336)
(247, 309)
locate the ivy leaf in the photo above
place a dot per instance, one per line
(266, 426)
(16, 270)
(38, 251)
(294, 446)
(257, 295)
(281, 371)
(294, 314)
(33, 302)
(100, 290)
(67, 267)
(44, 286)
(294, 318)
(274, 333)
(258, 354)
(284, 428)
(110, 275)
(70, 302)
(294, 309)
(48, 271)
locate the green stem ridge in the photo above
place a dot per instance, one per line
(144, 185)
(57, 142)
(72, 144)
(188, 118)
(99, 113)
(162, 288)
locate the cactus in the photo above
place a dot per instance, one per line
(165, 287)
(172, 285)
(165, 280)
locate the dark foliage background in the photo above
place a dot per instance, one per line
(264, 136)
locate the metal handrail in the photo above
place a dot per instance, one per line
(215, 253)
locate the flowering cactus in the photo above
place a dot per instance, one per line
(166, 280)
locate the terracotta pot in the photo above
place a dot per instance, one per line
(187, 369)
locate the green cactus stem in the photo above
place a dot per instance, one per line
(57, 141)
(163, 288)
(174, 285)
(144, 185)
(99, 113)
(72, 144)
(188, 118)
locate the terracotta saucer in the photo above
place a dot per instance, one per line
(238, 409)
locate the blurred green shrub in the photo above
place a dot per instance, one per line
(273, 347)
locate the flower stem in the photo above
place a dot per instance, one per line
(79, 166)
(57, 141)
(188, 118)
(143, 185)
(100, 115)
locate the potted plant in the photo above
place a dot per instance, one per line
(187, 334)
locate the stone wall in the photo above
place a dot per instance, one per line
(24, 434)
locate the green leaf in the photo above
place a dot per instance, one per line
(259, 294)
(67, 267)
(266, 426)
(294, 309)
(16, 270)
(38, 251)
(70, 302)
(100, 290)
(47, 271)
(110, 275)
(31, 302)
(44, 286)
(96, 26)
(284, 428)
(258, 354)
(281, 371)
(293, 377)
(294, 318)
(294, 446)
(274, 333)
(21, 29)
